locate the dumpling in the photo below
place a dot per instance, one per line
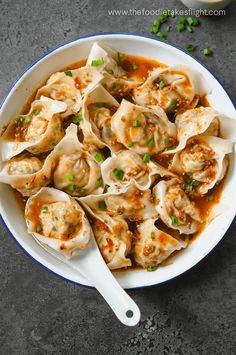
(70, 87)
(152, 246)
(202, 121)
(174, 88)
(26, 173)
(114, 240)
(204, 160)
(175, 208)
(142, 129)
(98, 108)
(57, 220)
(77, 171)
(109, 63)
(127, 166)
(128, 202)
(36, 132)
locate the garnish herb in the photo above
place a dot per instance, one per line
(98, 182)
(119, 174)
(68, 72)
(146, 158)
(190, 48)
(134, 66)
(136, 123)
(110, 71)
(151, 268)
(161, 84)
(180, 27)
(174, 220)
(36, 112)
(173, 104)
(119, 57)
(210, 197)
(161, 35)
(53, 144)
(69, 176)
(78, 118)
(207, 51)
(102, 205)
(130, 144)
(163, 18)
(167, 140)
(190, 29)
(98, 157)
(19, 120)
(97, 62)
(182, 20)
(44, 209)
(38, 228)
(151, 143)
(72, 187)
(190, 183)
(152, 235)
(168, 28)
(81, 190)
(28, 119)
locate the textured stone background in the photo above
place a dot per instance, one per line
(41, 314)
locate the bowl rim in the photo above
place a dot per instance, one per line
(47, 53)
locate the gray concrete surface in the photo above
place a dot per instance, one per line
(40, 313)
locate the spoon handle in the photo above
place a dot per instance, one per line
(96, 271)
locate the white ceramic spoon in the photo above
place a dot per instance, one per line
(89, 262)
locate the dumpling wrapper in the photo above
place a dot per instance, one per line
(152, 246)
(76, 172)
(96, 123)
(175, 208)
(145, 128)
(206, 163)
(114, 240)
(182, 85)
(71, 89)
(128, 202)
(42, 132)
(64, 225)
(202, 120)
(127, 166)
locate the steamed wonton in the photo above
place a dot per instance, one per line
(77, 171)
(36, 132)
(57, 220)
(114, 240)
(70, 87)
(142, 129)
(152, 246)
(176, 210)
(204, 161)
(174, 89)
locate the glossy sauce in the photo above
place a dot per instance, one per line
(140, 68)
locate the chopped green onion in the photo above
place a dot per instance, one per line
(110, 71)
(167, 140)
(28, 119)
(68, 72)
(113, 86)
(36, 112)
(20, 120)
(146, 158)
(153, 235)
(161, 35)
(168, 28)
(98, 157)
(161, 84)
(151, 143)
(180, 27)
(119, 174)
(78, 118)
(163, 18)
(190, 29)
(210, 198)
(190, 48)
(53, 144)
(69, 176)
(190, 21)
(102, 205)
(154, 29)
(151, 268)
(119, 57)
(134, 66)
(207, 51)
(195, 22)
(136, 123)
(97, 63)
(98, 182)
(156, 22)
(72, 187)
(130, 144)
(38, 228)
(190, 184)
(81, 190)
(99, 104)
(174, 220)
(182, 20)
(44, 209)
(173, 104)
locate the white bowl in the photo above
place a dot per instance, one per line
(76, 50)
